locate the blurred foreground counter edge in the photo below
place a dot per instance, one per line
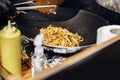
(97, 62)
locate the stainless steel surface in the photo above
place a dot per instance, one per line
(34, 7)
(21, 3)
(65, 50)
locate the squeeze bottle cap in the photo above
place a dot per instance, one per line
(9, 28)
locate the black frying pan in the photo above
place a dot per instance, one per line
(80, 21)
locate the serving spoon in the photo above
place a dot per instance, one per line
(60, 49)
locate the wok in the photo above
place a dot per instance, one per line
(80, 21)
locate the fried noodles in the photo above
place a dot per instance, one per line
(58, 36)
(49, 10)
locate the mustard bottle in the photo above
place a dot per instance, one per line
(10, 46)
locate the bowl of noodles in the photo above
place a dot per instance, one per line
(48, 10)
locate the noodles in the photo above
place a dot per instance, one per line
(48, 10)
(58, 36)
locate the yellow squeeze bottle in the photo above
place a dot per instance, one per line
(10, 46)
